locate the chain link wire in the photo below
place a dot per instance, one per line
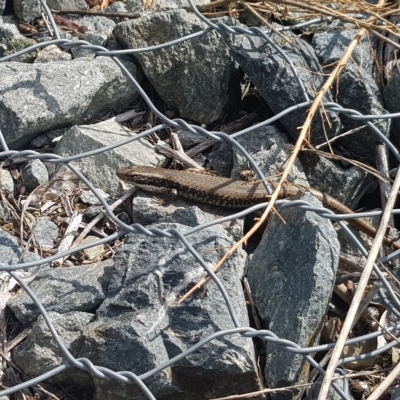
(128, 377)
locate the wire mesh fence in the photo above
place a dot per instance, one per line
(128, 377)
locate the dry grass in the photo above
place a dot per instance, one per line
(293, 11)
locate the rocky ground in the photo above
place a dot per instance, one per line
(102, 85)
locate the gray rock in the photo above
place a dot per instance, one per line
(3, 48)
(361, 144)
(19, 43)
(159, 5)
(48, 138)
(391, 95)
(142, 319)
(67, 5)
(39, 353)
(46, 232)
(6, 181)
(52, 54)
(106, 342)
(221, 158)
(34, 174)
(40, 97)
(88, 197)
(270, 149)
(92, 211)
(81, 288)
(149, 275)
(117, 7)
(146, 211)
(356, 81)
(2, 8)
(274, 80)
(94, 253)
(113, 45)
(291, 276)
(11, 251)
(343, 184)
(346, 244)
(97, 39)
(43, 39)
(396, 393)
(332, 43)
(189, 139)
(198, 77)
(27, 10)
(4, 213)
(95, 23)
(100, 169)
(8, 31)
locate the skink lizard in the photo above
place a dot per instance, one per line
(226, 192)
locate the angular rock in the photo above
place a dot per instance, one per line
(142, 297)
(95, 23)
(391, 95)
(48, 138)
(116, 7)
(46, 232)
(91, 212)
(276, 83)
(347, 245)
(331, 44)
(2, 6)
(10, 255)
(96, 39)
(396, 393)
(291, 276)
(27, 10)
(159, 5)
(4, 213)
(11, 251)
(107, 342)
(358, 349)
(344, 185)
(81, 288)
(141, 318)
(270, 149)
(34, 174)
(52, 54)
(221, 158)
(146, 211)
(100, 169)
(356, 81)
(354, 86)
(67, 5)
(40, 353)
(6, 181)
(8, 31)
(39, 97)
(88, 197)
(20, 43)
(93, 253)
(189, 139)
(198, 77)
